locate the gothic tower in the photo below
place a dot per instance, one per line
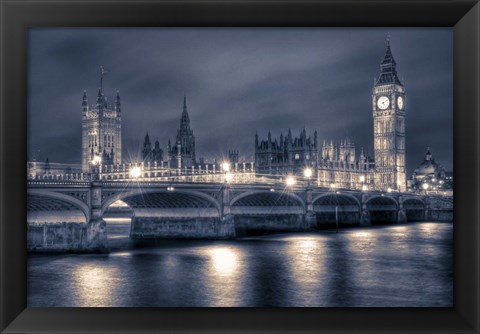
(147, 149)
(101, 129)
(182, 154)
(388, 103)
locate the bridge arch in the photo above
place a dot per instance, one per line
(49, 202)
(414, 209)
(263, 211)
(382, 209)
(345, 199)
(281, 201)
(161, 198)
(331, 208)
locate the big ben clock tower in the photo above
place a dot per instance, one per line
(388, 103)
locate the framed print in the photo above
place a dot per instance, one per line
(239, 166)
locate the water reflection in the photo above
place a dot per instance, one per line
(94, 286)
(223, 260)
(224, 275)
(306, 257)
(402, 265)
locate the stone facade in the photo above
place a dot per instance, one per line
(388, 104)
(182, 153)
(286, 155)
(101, 130)
(150, 155)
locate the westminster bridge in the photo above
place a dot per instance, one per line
(68, 214)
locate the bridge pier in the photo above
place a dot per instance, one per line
(96, 231)
(401, 214)
(365, 214)
(427, 210)
(310, 215)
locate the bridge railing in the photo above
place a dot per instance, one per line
(239, 173)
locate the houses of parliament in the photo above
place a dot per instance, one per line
(337, 163)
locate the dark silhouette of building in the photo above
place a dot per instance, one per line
(287, 154)
(182, 153)
(149, 154)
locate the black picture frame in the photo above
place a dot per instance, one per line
(18, 16)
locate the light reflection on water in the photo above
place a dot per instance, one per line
(402, 265)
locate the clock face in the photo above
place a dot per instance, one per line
(383, 102)
(400, 102)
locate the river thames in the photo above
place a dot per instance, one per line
(407, 265)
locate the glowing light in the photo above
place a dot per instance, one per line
(290, 181)
(94, 286)
(389, 190)
(364, 188)
(135, 172)
(361, 234)
(170, 188)
(119, 204)
(307, 172)
(425, 186)
(224, 260)
(228, 177)
(272, 190)
(97, 160)
(362, 178)
(225, 166)
(333, 185)
(434, 180)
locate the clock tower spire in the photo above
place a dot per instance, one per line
(388, 104)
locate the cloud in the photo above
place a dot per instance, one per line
(237, 81)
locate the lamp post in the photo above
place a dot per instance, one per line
(425, 187)
(290, 181)
(135, 172)
(95, 167)
(362, 180)
(333, 186)
(307, 172)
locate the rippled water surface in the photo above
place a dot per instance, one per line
(401, 265)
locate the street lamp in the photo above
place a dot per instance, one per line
(135, 172)
(308, 172)
(290, 181)
(362, 179)
(97, 160)
(95, 168)
(333, 186)
(389, 190)
(228, 177)
(425, 187)
(226, 166)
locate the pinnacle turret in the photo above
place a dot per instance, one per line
(185, 120)
(388, 70)
(118, 105)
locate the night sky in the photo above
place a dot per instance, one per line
(237, 81)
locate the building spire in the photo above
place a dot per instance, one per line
(185, 120)
(118, 105)
(102, 72)
(388, 67)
